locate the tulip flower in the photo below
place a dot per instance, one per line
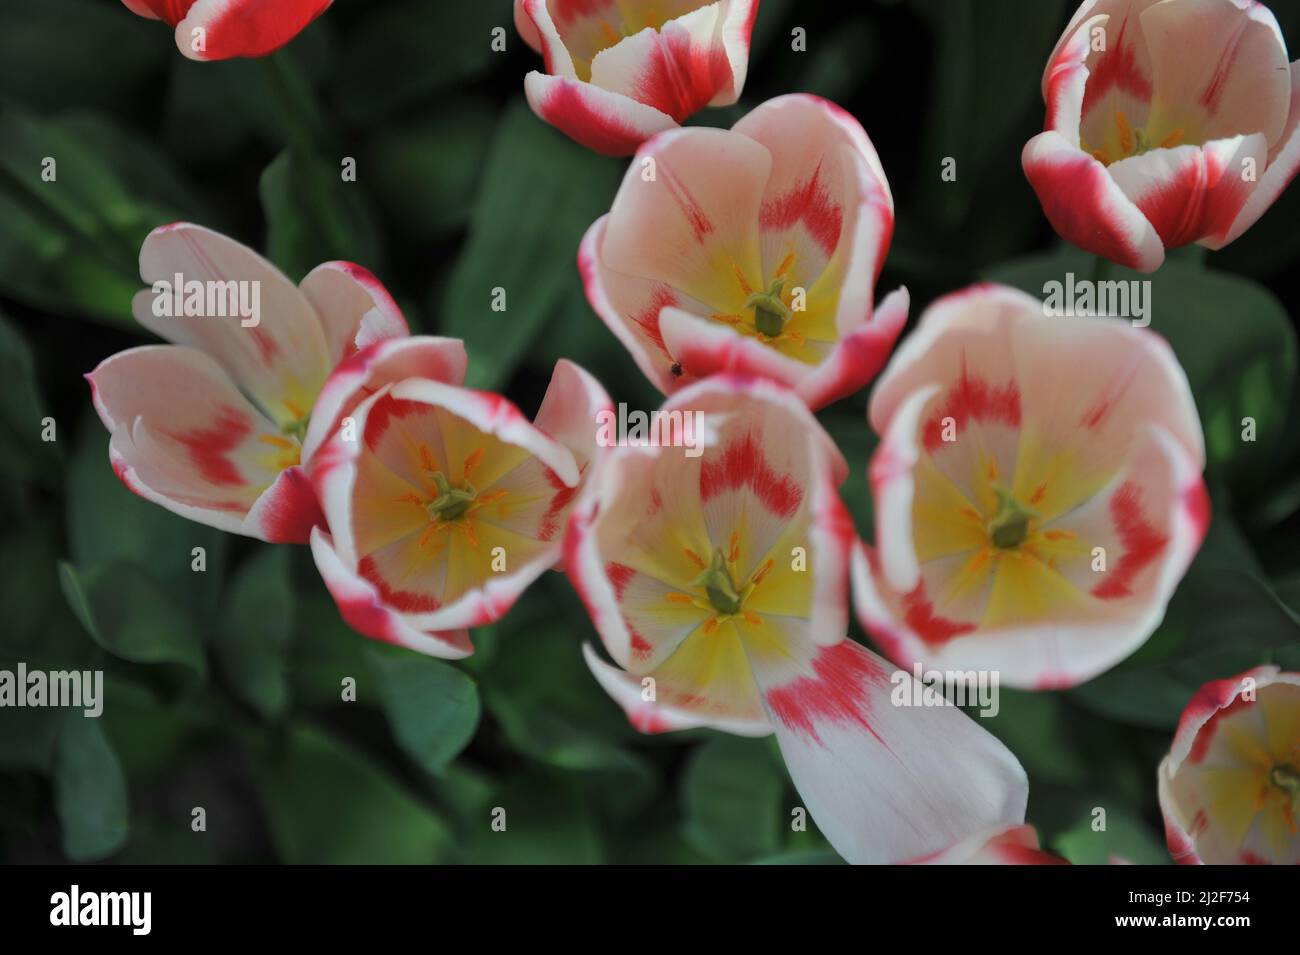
(754, 250)
(718, 585)
(1009, 845)
(443, 504)
(216, 426)
(1168, 123)
(1230, 786)
(1037, 487)
(619, 71)
(222, 29)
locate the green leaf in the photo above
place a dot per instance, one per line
(328, 805)
(324, 650)
(732, 795)
(548, 819)
(314, 216)
(387, 63)
(132, 617)
(540, 193)
(253, 646)
(22, 411)
(1126, 837)
(105, 57)
(543, 696)
(977, 102)
(1233, 339)
(432, 707)
(425, 172)
(107, 522)
(89, 791)
(71, 243)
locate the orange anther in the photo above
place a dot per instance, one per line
(472, 461)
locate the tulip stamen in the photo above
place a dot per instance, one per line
(1010, 525)
(1125, 132)
(770, 311)
(718, 585)
(1286, 778)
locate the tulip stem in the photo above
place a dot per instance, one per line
(304, 132)
(1102, 268)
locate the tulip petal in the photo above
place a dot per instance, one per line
(570, 410)
(1220, 69)
(1010, 845)
(366, 612)
(143, 8)
(386, 361)
(653, 715)
(823, 168)
(185, 438)
(693, 224)
(1283, 164)
(1086, 206)
(677, 69)
(282, 361)
(1191, 192)
(884, 782)
(234, 28)
(354, 308)
(287, 511)
(629, 307)
(606, 123)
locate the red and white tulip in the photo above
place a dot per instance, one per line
(718, 584)
(619, 71)
(754, 250)
(1230, 786)
(1169, 122)
(1038, 491)
(222, 29)
(443, 504)
(216, 426)
(1009, 845)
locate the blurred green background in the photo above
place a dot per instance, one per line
(224, 687)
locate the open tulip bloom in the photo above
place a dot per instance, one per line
(753, 250)
(1169, 122)
(222, 29)
(1230, 786)
(619, 71)
(443, 504)
(720, 581)
(1037, 487)
(216, 427)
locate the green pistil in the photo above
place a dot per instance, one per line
(451, 503)
(296, 429)
(1287, 778)
(1010, 526)
(770, 313)
(717, 583)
